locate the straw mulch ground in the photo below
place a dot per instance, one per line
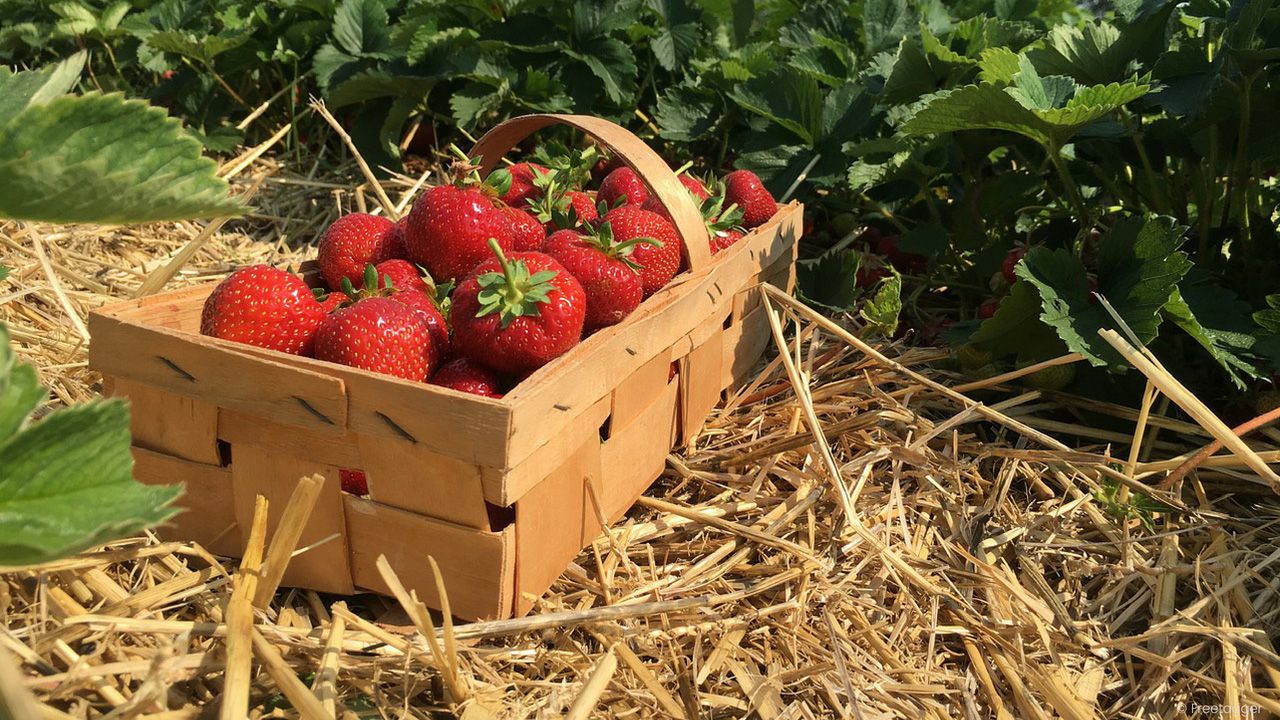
(920, 556)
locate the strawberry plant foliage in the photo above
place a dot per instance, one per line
(97, 158)
(66, 480)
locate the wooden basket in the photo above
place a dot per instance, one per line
(503, 493)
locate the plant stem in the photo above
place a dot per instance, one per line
(1073, 192)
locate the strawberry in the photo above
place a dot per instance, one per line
(722, 239)
(744, 189)
(583, 206)
(658, 261)
(263, 306)
(623, 185)
(1009, 267)
(380, 335)
(466, 376)
(353, 481)
(988, 308)
(353, 241)
(905, 262)
(404, 276)
(450, 225)
(330, 301)
(522, 184)
(610, 279)
(516, 314)
(430, 313)
(411, 291)
(693, 185)
(527, 232)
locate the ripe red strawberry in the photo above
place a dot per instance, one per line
(353, 481)
(692, 184)
(522, 186)
(583, 206)
(658, 262)
(331, 301)
(527, 232)
(466, 376)
(409, 290)
(608, 276)
(1009, 267)
(722, 239)
(380, 335)
(516, 315)
(623, 184)
(449, 228)
(353, 241)
(263, 306)
(905, 262)
(744, 189)
(404, 276)
(430, 313)
(988, 308)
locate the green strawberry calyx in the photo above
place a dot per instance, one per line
(602, 239)
(514, 292)
(371, 285)
(554, 205)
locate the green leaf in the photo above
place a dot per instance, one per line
(830, 280)
(686, 113)
(988, 107)
(21, 90)
(361, 28)
(998, 65)
(787, 97)
(1219, 321)
(103, 159)
(1036, 93)
(884, 23)
(883, 309)
(614, 64)
(65, 481)
(1138, 263)
(66, 485)
(1016, 328)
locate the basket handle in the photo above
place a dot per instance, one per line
(633, 151)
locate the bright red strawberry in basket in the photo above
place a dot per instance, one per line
(659, 262)
(353, 481)
(610, 279)
(744, 189)
(352, 242)
(526, 231)
(623, 184)
(515, 314)
(466, 376)
(263, 306)
(380, 335)
(449, 229)
(403, 274)
(523, 187)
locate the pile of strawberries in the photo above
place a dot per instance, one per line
(483, 282)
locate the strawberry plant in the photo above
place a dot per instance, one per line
(66, 480)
